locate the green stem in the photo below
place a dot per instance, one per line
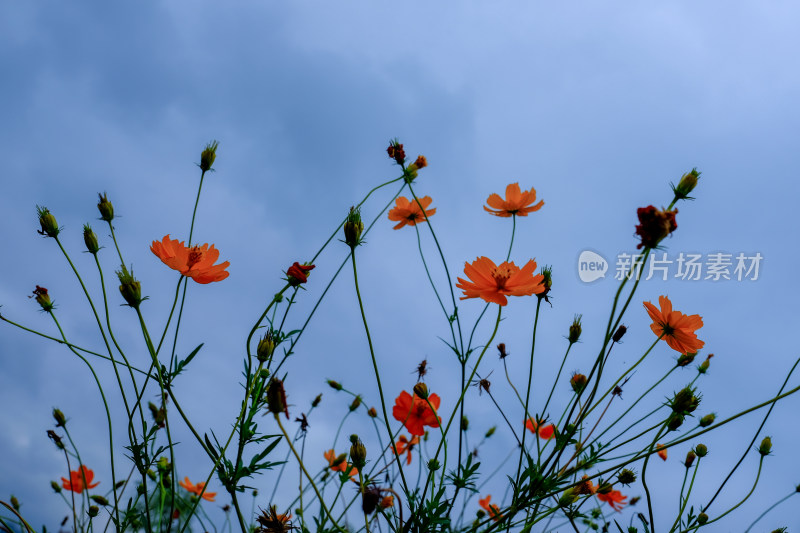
(375, 368)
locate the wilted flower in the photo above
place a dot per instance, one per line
(654, 225)
(298, 274)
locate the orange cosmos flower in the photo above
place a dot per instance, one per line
(196, 262)
(586, 486)
(197, 489)
(79, 480)
(491, 508)
(415, 413)
(404, 445)
(339, 464)
(407, 212)
(544, 432)
(613, 498)
(517, 202)
(661, 451)
(493, 283)
(675, 327)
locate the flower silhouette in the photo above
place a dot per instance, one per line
(675, 327)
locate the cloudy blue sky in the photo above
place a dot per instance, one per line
(596, 105)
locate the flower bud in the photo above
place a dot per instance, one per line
(358, 454)
(490, 432)
(56, 487)
(687, 183)
(92, 246)
(355, 404)
(353, 226)
(47, 221)
(686, 359)
(690, 457)
(578, 382)
(575, 330)
(421, 390)
(619, 333)
(433, 465)
(701, 450)
(707, 420)
(674, 421)
(55, 438)
(130, 288)
(42, 298)
(335, 385)
(208, 156)
(105, 207)
(702, 518)
(684, 401)
(100, 500)
(59, 417)
(276, 397)
(703, 368)
(568, 497)
(264, 373)
(766, 446)
(464, 423)
(626, 476)
(316, 400)
(14, 502)
(93, 511)
(547, 282)
(266, 346)
(372, 412)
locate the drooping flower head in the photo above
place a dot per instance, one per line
(493, 282)
(197, 489)
(675, 327)
(516, 202)
(408, 212)
(544, 432)
(406, 445)
(415, 413)
(298, 274)
(491, 508)
(79, 480)
(661, 451)
(613, 498)
(196, 262)
(654, 225)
